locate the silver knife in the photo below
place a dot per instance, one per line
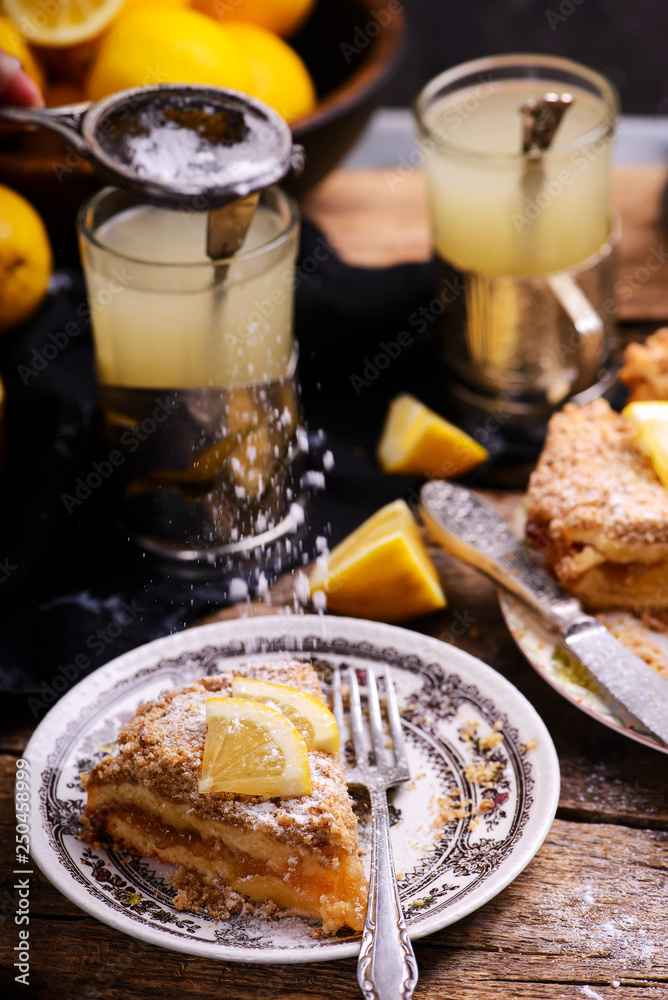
(473, 531)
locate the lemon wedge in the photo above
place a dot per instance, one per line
(381, 571)
(416, 441)
(314, 720)
(63, 23)
(252, 749)
(650, 420)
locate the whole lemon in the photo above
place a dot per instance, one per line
(13, 42)
(25, 259)
(166, 45)
(131, 5)
(280, 78)
(282, 16)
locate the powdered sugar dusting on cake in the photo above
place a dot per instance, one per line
(162, 747)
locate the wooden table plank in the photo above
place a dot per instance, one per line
(591, 908)
(377, 218)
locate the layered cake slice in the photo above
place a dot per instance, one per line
(599, 513)
(645, 368)
(233, 852)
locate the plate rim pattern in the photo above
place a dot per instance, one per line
(327, 636)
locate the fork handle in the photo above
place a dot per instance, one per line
(386, 968)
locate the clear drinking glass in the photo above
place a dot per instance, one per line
(196, 365)
(524, 247)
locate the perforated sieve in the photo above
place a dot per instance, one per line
(181, 147)
(238, 144)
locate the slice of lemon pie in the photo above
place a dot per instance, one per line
(237, 781)
(598, 509)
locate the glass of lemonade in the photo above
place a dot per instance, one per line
(505, 227)
(196, 366)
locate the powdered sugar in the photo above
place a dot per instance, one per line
(181, 157)
(573, 918)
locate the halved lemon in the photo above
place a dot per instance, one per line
(418, 442)
(314, 720)
(62, 22)
(382, 571)
(650, 419)
(252, 749)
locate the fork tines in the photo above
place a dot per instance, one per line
(379, 757)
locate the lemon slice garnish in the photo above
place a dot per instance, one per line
(314, 720)
(252, 749)
(650, 420)
(418, 442)
(382, 571)
(63, 23)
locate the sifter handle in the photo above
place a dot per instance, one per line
(66, 121)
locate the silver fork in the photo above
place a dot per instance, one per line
(386, 968)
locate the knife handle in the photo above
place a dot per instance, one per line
(472, 530)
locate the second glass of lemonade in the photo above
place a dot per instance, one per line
(196, 365)
(524, 245)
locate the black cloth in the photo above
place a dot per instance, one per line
(74, 591)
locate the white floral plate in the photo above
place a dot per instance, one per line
(570, 678)
(446, 871)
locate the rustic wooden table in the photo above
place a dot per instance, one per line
(588, 917)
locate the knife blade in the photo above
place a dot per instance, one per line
(472, 530)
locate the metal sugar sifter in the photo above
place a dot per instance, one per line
(179, 146)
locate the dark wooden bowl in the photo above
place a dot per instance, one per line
(352, 48)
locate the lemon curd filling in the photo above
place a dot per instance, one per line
(292, 852)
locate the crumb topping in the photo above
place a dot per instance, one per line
(592, 485)
(163, 744)
(645, 368)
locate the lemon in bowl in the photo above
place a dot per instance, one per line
(153, 45)
(283, 17)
